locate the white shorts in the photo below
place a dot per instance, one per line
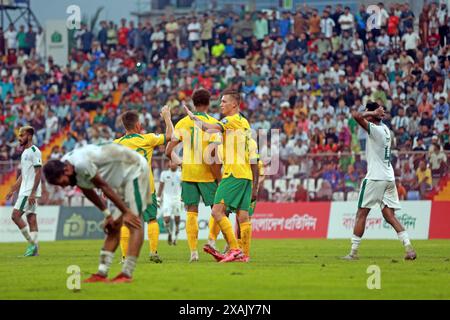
(24, 206)
(378, 193)
(172, 208)
(137, 194)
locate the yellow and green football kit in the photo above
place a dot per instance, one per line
(196, 176)
(235, 189)
(144, 144)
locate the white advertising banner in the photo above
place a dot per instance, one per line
(414, 215)
(57, 41)
(47, 220)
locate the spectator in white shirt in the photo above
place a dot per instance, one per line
(262, 89)
(411, 41)
(427, 61)
(400, 120)
(51, 125)
(279, 48)
(383, 42)
(347, 21)
(327, 25)
(157, 37)
(194, 28)
(335, 72)
(11, 37)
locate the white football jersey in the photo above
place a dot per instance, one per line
(114, 163)
(30, 159)
(172, 184)
(378, 153)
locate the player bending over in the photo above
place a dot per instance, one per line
(239, 184)
(170, 194)
(29, 186)
(378, 188)
(199, 178)
(122, 175)
(145, 144)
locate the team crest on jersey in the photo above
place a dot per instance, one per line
(224, 121)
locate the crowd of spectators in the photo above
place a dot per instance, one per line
(301, 72)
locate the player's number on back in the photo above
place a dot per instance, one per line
(194, 137)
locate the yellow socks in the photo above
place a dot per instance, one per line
(153, 236)
(227, 230)
(246, 236)
(124, 239)
(192, 230)
(214, 229)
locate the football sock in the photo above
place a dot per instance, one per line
(106, 258)
(192, 230)
(404, 238)
(153, 236)
(246, 236)
(124, 240)
(355, 244)
(34, 236)
(129, 265)
(168, 228)
(227, 231)
(214, 229)
(26, 234)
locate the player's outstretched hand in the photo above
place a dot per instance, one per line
(32, 199)
(379, 112)
(165, 111)
(254, 194)
(131, 220)
(109, 224)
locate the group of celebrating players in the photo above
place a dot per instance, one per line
(220, 165)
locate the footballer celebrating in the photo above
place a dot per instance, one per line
(145, 144)
(239, 184)
(378, 188)
(122, 175)
(29, 186)
(199, 178)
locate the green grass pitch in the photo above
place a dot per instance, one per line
(280, 269)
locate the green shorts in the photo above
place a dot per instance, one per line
(152, 210)
(235, 193)
(191, 192)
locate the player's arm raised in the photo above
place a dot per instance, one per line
(165, 114)
(361, 117)
(205, 125)
(14, 188)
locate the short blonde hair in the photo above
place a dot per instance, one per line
(27, 129)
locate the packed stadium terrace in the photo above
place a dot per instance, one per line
(300, 72)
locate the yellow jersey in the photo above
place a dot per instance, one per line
(236, 147)
(196, 150)
(143, 144)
